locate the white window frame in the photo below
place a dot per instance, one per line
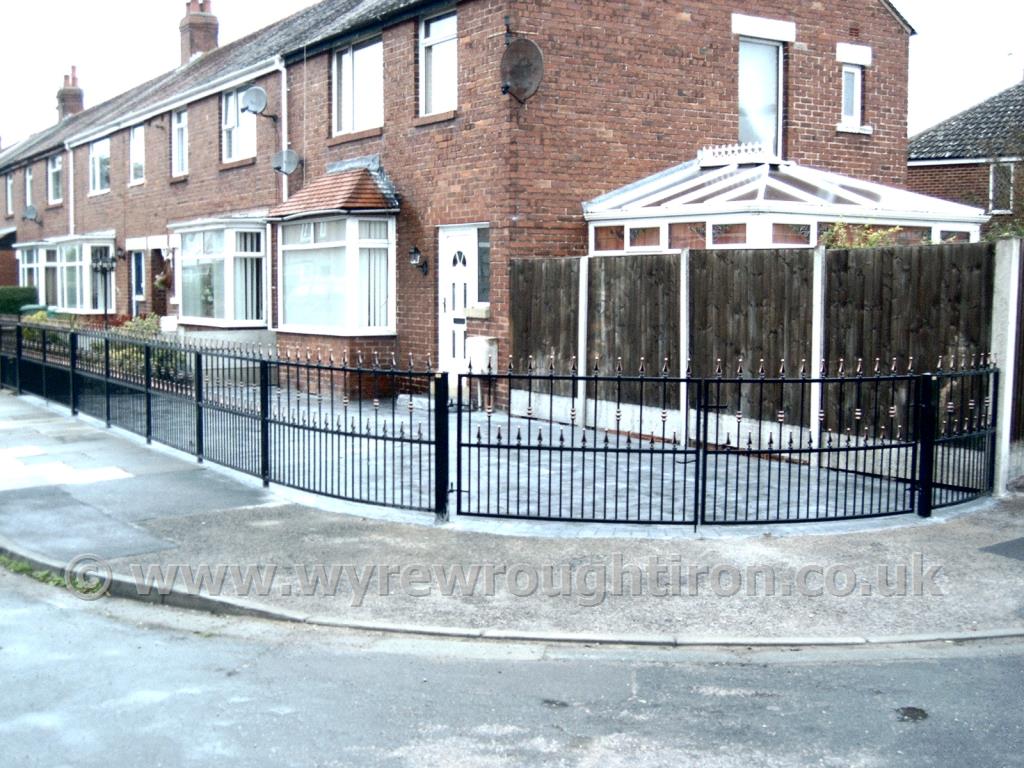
(852, 121)
(136, 155)
(99, 151)
(10, 194)
(426, 43)
(24, 268)
(346, 115)
(229, 254)
(992, 187)
(55, 186)
(237, 128)
(179, 143)
(781, 89)
(352, 245)
(135, 275)
(28, 185)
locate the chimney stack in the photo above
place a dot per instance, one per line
(198, 30)
(70, 99)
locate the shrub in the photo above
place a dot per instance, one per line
(13, 298)
(841, 235)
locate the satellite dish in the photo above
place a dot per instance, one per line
(30, 214)
(522, 69)
(254, 100)
(286, 162)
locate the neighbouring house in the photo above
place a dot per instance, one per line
(976, 157)
(355, 177)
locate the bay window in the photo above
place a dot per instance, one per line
(63, 277)
(222, 276)
(338, 276)
(238, 128)
(359, 88)
(439, 64)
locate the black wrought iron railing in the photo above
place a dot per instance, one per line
(741, 447)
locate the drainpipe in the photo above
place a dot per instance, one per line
(283, 70)
(71, 188)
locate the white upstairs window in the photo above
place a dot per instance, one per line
(439, 64)
(238, 128)
(137, 155)
(179, 143)
(55, 180)
(359, 88)
(760, 93)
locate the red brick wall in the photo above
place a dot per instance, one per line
(967, 184)
(446, 172)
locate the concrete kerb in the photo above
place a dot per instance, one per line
(122, 587)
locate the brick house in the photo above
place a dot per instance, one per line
(975, 157)
(407, 150)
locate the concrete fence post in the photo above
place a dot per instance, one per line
(818, 329)
(1005, 317)
(583, 300)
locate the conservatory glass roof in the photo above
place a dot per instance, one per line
(745, 179)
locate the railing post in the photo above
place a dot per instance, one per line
(265, 422)
(700, 466)
(72, 366)
(19, 344)
(148, 352)
(992, 427)
(106, 376)
(199, 405)
(441, 445)
(458, 442)
(927, 397)
(42, 367)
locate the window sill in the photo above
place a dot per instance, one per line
(351, 333)
(210, 322)
(245, 163)
(478, 313)
(100, 193)
(345, 138)
(138, 183)
(179, 179)
(55, 205)
(863, 130)
(440, 117)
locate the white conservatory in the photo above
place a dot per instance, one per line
(743, 197)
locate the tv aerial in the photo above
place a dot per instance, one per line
(522, 69)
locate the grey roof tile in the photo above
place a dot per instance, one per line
(994, 128)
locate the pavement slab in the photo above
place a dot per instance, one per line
(957, 574)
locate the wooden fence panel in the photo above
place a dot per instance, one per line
(544, 313)
(922, 301)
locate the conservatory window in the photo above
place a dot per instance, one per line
(609, 238)
(791, 234)
(687, 235)
(729, 234)
(645, 237)
(338, 275)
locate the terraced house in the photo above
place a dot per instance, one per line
(357, 177)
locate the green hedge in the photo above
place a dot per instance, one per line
(12, 299)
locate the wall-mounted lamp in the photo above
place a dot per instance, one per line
(121, 254)
(417, 260)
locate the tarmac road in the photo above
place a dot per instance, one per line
(119, 682)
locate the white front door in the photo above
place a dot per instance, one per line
(457, 285)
